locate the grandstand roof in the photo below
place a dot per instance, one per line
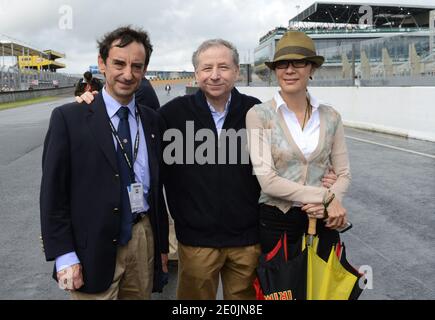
(12, 48)
(383, 14)
(53, 55)
(54, 65)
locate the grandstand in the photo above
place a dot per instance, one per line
(23, 67)
(384, 16)
(26, 57)
(361, 40)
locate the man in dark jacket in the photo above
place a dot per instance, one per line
(100, 191)
(211, 192)
(87, 84)
(146, 95)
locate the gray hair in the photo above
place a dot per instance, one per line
(215, 43)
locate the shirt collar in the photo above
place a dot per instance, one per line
(281, 103)
(213, 110)
(112, 106)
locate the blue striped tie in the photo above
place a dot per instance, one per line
(125, 174)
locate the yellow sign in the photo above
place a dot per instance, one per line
(33, 62)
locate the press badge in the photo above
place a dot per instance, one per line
(135, 193)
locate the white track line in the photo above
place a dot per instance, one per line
(392, 147)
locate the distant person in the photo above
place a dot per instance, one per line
(101, 215)
(358, 81)
(87, 84)
(168, 89)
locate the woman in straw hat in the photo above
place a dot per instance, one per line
(294, 141)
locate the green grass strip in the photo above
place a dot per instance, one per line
(22, 103)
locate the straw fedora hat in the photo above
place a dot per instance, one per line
(295, 45)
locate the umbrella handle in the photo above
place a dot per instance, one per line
(312, 226)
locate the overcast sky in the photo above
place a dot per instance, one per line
(176, 27)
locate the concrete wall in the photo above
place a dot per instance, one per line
(405, 111)
(157, 83)
(12, 96)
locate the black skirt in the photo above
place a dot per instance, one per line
(274, 223)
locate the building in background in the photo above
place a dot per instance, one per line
(364, 41)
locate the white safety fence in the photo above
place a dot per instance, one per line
(405, 111)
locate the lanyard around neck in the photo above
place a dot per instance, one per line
(136, 143)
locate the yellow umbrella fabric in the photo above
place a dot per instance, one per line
(327, 280)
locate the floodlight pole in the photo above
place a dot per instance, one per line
(297, 17)
(432, 31)
(353, 64)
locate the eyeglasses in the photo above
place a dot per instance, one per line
(283, 64)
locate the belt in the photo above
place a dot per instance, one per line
(137, 217)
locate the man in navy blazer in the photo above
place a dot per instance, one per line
(108, 243)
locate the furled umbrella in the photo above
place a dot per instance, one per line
(307, 275)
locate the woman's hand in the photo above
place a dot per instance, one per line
(316, 211)
(336, 217)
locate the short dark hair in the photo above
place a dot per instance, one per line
(127, 35)
(87, 75)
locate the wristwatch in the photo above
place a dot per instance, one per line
(327, 202)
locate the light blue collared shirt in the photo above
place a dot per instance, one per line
(219, 117)
(141, 166)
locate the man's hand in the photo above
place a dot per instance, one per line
(337, 215)
(71, 278)
(329, 179)
(165, 262)
(86, 97)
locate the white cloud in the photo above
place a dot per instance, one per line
(176, 27)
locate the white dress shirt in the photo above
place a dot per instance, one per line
(308, 139)
(219, 117)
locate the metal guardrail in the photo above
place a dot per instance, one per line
(13, 79)
(358, 30)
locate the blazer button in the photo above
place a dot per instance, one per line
(115, 241)
(116, 210)
(117, 176)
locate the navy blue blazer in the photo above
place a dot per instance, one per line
(81, 190)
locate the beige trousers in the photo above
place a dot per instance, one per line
(199, 269)
(173, 243)
(133, 279)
